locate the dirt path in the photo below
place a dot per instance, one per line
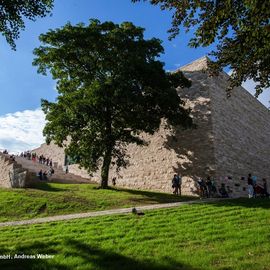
(101, 213)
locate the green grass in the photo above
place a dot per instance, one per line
(226, 235)
(56, 199)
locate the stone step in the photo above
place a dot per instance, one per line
(59, 175)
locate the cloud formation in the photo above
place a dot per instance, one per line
(21, 131)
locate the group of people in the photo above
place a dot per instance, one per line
(207, 188)
(43, 175)
(176, 184)
(256, 190)
(34, 157)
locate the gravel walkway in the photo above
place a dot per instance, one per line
(101, 213)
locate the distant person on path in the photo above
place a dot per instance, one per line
(254, 184)
(223, 192)
(208, 187)
(265, 188)
(50, 172)
(45, 176)
(180, 183)
(250, 186)
(114, 181)
(40, 174)
(66, 169)
(213, 188)
(202, 187)
(175, 184)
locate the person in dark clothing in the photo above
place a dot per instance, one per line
(202, 187)
(208, 183)
(40, 175)
(114, 181)
(176, 184)
(250, 186)
(223, 192)
(265, 188)
(45, 176)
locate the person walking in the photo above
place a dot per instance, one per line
(180, 183)
(175, 184)
(265, 188)
(250, 186)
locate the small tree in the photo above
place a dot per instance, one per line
(241, 28)
(111, 88)
(13, 11)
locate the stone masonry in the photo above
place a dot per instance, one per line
(231, 140)
(12, 175)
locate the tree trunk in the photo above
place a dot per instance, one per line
(106, 167)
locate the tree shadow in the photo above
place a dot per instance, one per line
(194, 147)
(85, 256)
(105, 259)
(156, 197)
(46, 187)
(244, 202)
(35, 264)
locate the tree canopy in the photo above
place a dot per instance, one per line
(241, 28)
(111, 88)
(12, 13)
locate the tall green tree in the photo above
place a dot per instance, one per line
(240, 27)
(111, 88)
(12, 13)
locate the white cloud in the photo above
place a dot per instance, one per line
(21, 131)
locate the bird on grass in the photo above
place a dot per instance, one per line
(136, 212)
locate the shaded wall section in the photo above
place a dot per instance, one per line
(188, 152)
(241, 128)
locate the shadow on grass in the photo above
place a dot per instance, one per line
(244, 202)
(46, 187)
(84, 256)
(157, 196)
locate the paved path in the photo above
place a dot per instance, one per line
(102, 213)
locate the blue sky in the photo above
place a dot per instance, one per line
(22, 88)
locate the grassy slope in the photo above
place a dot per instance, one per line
(56, 199)
(227, 235)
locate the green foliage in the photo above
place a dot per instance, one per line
(241, 29)
(219, 236)
(12, 13)
(111, 88)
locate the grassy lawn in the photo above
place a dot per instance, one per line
(56, 199)
(226, 235)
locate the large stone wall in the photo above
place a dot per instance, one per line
(241, 129)
(52, 151)
(12, 175)
(188, 152)
(231, 139)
